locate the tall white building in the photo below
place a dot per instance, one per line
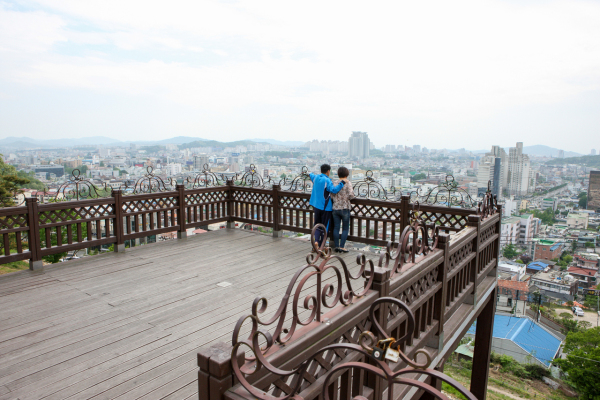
(518, 171)
(359, 145)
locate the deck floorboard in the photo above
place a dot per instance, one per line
(128, 325)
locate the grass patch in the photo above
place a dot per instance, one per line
(451, 390)
(13, 266)
(520, 392)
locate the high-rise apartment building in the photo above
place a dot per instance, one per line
(518, 171)
(561, 154)
(417, 148)
(593, 197)
(493, 167)
(359, 145)
(199, 162)
(593, 152)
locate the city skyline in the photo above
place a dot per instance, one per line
(229, 71)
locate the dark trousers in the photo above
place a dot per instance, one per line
(322, 217)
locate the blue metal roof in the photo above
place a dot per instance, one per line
(537, 265)
(556, 246)
(526, 334)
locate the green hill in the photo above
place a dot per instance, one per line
(214, 143)
(588, 161)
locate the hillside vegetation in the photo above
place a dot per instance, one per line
(588, 161)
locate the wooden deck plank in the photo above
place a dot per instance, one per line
(162, 303)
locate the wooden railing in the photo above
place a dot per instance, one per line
(445, 290)
(35, 230)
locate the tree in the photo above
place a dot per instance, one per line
(589, 245)
(547, 216)
(583, 201)
(418, 177)
(102, 163)
(566, 315)
(525, 258)
(509, 251)
(584, 325)
(582, 351)
(10, 183)
(519, 261)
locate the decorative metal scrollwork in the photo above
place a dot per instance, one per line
(417, 239)
(78, 187)
(371, 189)
(204, 179)
(489, 205)
(327, 296)
(366, 340)
(447, 193)
(300, 183)
(151, 183)
(252, 178)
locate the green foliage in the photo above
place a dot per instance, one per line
(509, 251)
(519, 261)
(33, 182)
(566, 315)
(590, 161)
(214, 143)
(10, 183)
(581, 365)
(82, 169)
(547, 216)
(397, 170)
(54, 258)
(589, 245)
(452, 391)
(150, 149)
(417, 177)
(537, 371)
(583, 200)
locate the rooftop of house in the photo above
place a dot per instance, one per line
(514, 285)
(557, 278)
(537, 265)
(526, 334)
(582, 271)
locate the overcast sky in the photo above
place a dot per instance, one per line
(440, 74)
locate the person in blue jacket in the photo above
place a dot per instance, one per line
(320, 199)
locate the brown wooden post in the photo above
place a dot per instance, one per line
(404, 211)
(381, 283)
(276, 212)
(483, 348)
(215, 375)
(182, 233)
(439, 301)
(35, 246)
(474, 222)
(118, 226)
(230, 204)
(494, 271)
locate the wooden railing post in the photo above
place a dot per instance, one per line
(230, 204)
(483, 348)
(35, 246)
(381, 284)
(404, 212)
(494, 271)
(215, 375)
(182, 233)
(439, 302)
(276, 212)
(118, 226)
(474, 222)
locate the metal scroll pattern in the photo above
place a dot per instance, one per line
(300, 183)
(151, 183)
(363, 349)
(253, 179)
(417, 239)
(371, 189)
(447, 193)
(204, 179)
(489, 205)
(327, 296)
(78, 187)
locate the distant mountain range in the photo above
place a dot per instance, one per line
(539, 150)
(20, 143)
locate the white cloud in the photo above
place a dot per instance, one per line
(443, 60)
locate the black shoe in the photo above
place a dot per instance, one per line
(343, 250)
(336, 250)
